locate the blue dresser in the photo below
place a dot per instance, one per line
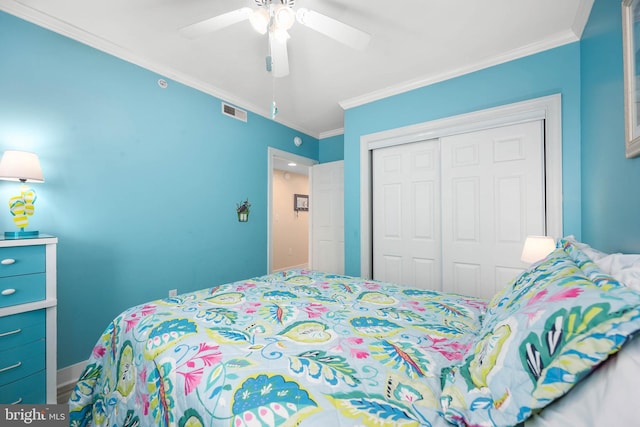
(28, 320)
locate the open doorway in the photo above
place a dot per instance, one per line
(288, 223)
(290, 220)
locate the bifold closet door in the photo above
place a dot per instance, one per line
(492, 198)
(406, 214)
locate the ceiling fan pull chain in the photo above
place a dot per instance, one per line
(274, 106)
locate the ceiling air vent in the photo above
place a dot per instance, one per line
(236, 113)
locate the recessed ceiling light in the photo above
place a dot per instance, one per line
(292, 164)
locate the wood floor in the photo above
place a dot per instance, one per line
(64, 392)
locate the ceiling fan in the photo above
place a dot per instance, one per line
(276, 17)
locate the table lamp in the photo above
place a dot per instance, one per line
(536, 248)
(21, 166)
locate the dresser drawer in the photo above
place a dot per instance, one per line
(22, 260)
(29, 390)
(21, 289)
(21, 361)
(21, 328)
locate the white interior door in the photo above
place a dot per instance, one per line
(406, 214)
(492, 198)
(326, 204)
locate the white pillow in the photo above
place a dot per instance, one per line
(592, 253)
(625, 268)
(604, 398)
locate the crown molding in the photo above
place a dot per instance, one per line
(44, 20)
(330, 133)
(582, 17)
(559, 39)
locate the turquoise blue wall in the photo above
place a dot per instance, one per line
(550, 72)
(331, 149)
(141, 186)
(610, 196)
(141, 182)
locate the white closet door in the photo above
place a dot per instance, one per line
(492, 198)
(327, 217)
(406, 214)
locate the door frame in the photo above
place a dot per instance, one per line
(273, 153)
(547, 108)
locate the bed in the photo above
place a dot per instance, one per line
(314, 349)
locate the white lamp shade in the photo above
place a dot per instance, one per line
(284, 17)
(536, 248)
(259, 20)
(20, 166)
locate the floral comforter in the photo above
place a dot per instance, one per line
(292, 348)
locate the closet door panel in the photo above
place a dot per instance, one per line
(466, 279)
(393, 269)
(392, 199)
(406, 214)
(465, 207)
(424, 270)
(510, 208)
(492, 198)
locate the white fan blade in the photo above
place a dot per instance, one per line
(216, 23)
(337, 30)
(279, 55)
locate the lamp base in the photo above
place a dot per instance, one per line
(20, 234)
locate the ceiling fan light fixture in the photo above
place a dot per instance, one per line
(259, 20)
(284, 17)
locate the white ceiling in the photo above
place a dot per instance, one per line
(413, 43)
(287, 166)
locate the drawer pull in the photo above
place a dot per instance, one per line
(8, 368)
(16, 402)
(8, 292)
(7, 261)
(5, 334)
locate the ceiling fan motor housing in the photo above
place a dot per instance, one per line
(265, 3)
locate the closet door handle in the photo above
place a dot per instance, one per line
(7, 292)
(8, 368)
(8, 261)
(5, 334)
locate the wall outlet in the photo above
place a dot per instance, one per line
(173, 292)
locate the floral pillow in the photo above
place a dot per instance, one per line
(549, 329)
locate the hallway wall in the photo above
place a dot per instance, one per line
(290, 229)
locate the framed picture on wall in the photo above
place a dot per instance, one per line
(630, 45)
(300, 202)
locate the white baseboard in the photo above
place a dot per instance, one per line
(70, 374)
(304, 266)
